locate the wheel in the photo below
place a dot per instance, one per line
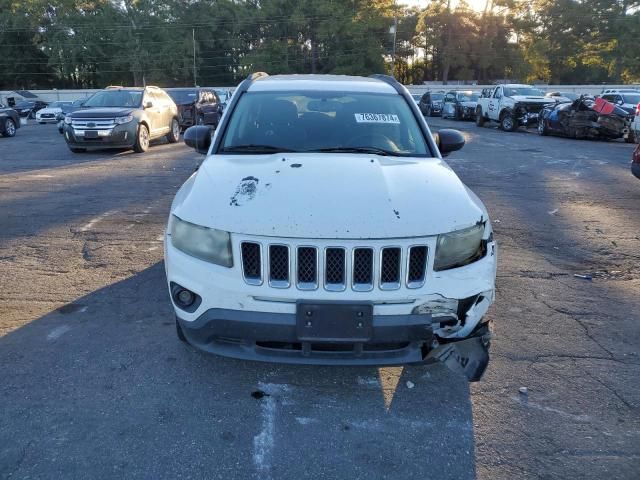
(457, 115)
(174, 135)
(9, 128)
(542, 127)
(180, 333)
(631, 138)
(508, 123)
(142, 140)
(479, 117)
(77, 150)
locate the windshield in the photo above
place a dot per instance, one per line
(416, 97)
(184, 95)
(115, 98)
(631, 98)
(268, 122)
(524, 91)
(467, 97)
(437, 96)
(24, 104)
(58, 104)
(223, 95)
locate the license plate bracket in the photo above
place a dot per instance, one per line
(334, 322)
(90, 134)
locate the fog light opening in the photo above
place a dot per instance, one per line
(184, 297)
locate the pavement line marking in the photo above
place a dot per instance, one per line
(87, 226)
(264, 442)
(543, 408)
(58, 332)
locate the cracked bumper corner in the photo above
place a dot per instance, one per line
(468, 357)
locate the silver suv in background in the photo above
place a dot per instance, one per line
(123, 117)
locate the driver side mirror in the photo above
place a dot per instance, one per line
(199, 138)
(449, 140)
(148, 104)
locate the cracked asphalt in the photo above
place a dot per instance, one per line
(94, 383)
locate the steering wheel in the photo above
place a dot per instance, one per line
(376, 140)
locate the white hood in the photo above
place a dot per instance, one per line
(532, 99)
(49, 110)
(309, 195)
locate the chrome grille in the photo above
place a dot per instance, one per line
(417, 266)
(307, 270)
(251, 262)
(279, 266)
(333, 268)
(390, 268)
(93, 123)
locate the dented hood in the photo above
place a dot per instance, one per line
(310, 195)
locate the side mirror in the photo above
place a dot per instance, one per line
(449, 140)
(198, 137)
(148, 104)
(620, 102)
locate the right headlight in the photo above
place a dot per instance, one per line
(207, 244)
(458, 248)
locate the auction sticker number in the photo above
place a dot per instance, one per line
(376, 118)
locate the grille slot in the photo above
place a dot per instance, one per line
(279, 266)
(363, 269)
(251, 262)
(390, 268)
(417, 266)
(307, 269)
(335, 269)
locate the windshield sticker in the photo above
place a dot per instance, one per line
(376, 118)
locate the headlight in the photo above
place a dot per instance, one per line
(458, 248)
(207, 244)
(67, 120)
(121, 120)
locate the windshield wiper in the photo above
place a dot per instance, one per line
(372, 150)
(253, 148)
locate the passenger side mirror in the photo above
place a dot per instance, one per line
(198, 137)
(148, 104)
(449, 140)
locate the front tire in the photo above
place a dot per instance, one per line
(180, 333)
(508, 123)
(174, 135)
(142, 139)
(542, 127)
(9, 128)
(479, 117)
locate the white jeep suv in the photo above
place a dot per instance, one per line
(324, 227)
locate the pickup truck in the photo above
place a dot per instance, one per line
(511, 105)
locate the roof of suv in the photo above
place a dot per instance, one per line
(278, 83)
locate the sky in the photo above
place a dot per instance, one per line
(475, 4)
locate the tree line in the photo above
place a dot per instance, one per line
(94, 43)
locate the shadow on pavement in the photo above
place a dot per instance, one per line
(102, 387)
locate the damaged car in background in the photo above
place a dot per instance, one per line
(323, 227)
(586, 117)
(511, 105)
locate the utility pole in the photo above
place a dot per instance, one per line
(193, 36)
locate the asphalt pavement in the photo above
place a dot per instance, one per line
(94, 383)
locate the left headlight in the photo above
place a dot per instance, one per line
(458, 248)
(121, 120)
(207, 244)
